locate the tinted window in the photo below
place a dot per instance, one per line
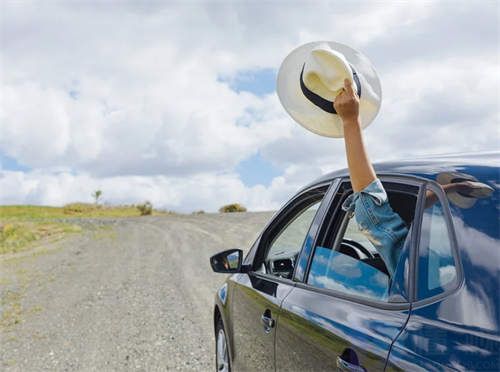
(346, 260)
(354, 267)
(283, 251)
(333, 270)
(436, 267)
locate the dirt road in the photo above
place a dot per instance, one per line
(133, 294)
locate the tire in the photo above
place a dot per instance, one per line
(222, 360)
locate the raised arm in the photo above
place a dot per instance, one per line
(360, 169)
(375, 218)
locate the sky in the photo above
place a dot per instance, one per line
(175, 102)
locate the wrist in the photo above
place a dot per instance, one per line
(351, 122)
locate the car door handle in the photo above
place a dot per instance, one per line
(343, 365)
(268, 322)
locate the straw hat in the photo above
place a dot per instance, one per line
(476, 190)
(312, 75)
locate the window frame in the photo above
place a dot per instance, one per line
(281, 220)
(328, 206)
(443, 199)
(405, 180)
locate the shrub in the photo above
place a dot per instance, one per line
(146, 208)
(79, 208)
(230, 208)
(201, 211)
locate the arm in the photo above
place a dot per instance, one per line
(360, 169)
(375, 218)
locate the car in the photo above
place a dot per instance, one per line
(312, 293)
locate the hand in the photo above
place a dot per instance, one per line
(463, 187)
(347, 104)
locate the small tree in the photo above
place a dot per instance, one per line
(96, 195)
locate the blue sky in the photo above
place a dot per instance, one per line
(8, 163)
(101, 96)
(257, 81)
(255, 170)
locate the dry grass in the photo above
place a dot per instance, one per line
(17, 236)
(34, 212)
(93, 210)
(22, 225)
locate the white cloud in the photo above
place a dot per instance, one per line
(127, 95)
(203, 191)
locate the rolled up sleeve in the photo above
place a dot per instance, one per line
(378, 222)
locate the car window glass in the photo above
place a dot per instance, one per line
(436, 265)
(351, 263)
(354, 267)
(283, 252)
(333, 270)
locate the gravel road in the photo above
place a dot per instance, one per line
(129, 294)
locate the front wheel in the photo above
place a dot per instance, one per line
(221, 351)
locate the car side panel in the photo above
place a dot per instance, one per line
(253, 297)
(315, 328)
(430, 342)
(462, 330)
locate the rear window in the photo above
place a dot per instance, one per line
(437, 269)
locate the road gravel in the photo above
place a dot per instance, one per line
(129, 294)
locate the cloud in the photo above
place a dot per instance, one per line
(203, 191)
(105, 93)
(323, 281)
(346, 266)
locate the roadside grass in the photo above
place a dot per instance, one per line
(23, 225)
(31, 212)
(17, 236)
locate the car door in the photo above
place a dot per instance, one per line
(257, 295)
(345, 310)
(454, 324)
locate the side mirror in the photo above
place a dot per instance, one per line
(227, 262)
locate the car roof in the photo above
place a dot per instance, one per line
(485, 166)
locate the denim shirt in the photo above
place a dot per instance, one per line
(378, 222)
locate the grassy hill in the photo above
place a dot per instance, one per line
(23, 225)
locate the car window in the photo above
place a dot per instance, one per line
(354, 267)
(333, 270)
(284, 249)
(436, 265)
(347, 261)
(358, 241)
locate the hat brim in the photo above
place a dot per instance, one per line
(311, 116)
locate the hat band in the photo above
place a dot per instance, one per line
(321, 102)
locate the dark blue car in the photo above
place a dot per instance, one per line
(313, 294)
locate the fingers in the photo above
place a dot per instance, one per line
(336, 102)
(348, 86)
(340, 98)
